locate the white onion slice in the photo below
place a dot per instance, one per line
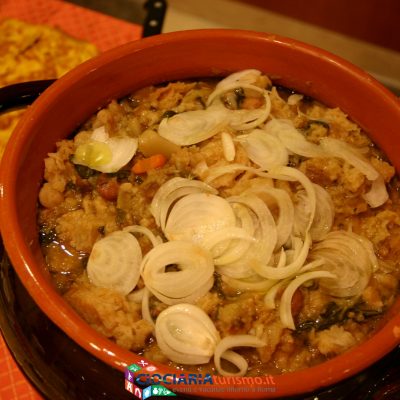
(155, 240)
(233, 256)
(324, 214)
(269, 298)
(236, 270)
(378, 194)
(264, 149)
(292, 139)
(282, 258)
(195, 215)
(263, 230)
(222, 350)
(186, 334)
(311, 265)
(231, 253)
(349, 153)
(243, 119)
(284, 222)
(165, 195)
(193, 127)
(285, 308)
(170, 200)
(293, 99)
(323, 218)
(122, 150)
(246, 76)
(114, 262)
(216, 172)
(255, 283)
(266, 234)
(287, 271)
(136, 296)
(193, 279)
(228, 146)
(292, 173)
(350, 257)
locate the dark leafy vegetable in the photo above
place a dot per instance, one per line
(120, 217)
(70, 186)
(240, 96)
(168, 114)
(84, 172)
(218, 285)
(138, 179)
(284, 92)
(336, 314)
(122, 175)
(46, 235)
(317, 122)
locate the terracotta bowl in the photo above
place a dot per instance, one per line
(76, 96)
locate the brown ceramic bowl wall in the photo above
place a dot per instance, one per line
(76, 96)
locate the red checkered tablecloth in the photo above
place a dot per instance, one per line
(13, 384)
(103, 31)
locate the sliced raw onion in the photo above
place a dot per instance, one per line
(222, 351)
(246, 76)
(264, 149)
(213, 240)
(285, 308)
(282, 259)
(136, 296)
(193, 127)
(378, 194)
(243, 119)
(294, 99)
(245, 220)
(311, 265)
(155, 240)
(228, 146)
(266, 234)
(287, 271)
(292, 173)
(104, 153)
(350, 257)
(186, 334)
(255, 283)
(193, 279)
(114, 262)
(349, 153)
(269, 298)
(171, 191)
(216, 172)
(284, 222)
(292, 139)
(324, 214)
(198, 214)
(262, 229)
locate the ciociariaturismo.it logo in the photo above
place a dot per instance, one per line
(134, 381)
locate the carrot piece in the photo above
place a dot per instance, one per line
(146, 164)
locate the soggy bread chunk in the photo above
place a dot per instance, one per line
(80, 228)
(333, 341)
(110, 314)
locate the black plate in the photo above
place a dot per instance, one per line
(60, 369)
